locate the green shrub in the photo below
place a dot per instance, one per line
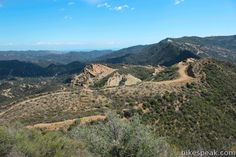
(119, 138)
(140, 72)
(18, 142)
(169, 73)
(6, 141)
(33, 143)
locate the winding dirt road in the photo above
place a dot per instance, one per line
(183, 76)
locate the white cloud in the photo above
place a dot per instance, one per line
(104, 5)
(114, 8)
(71, 3)
(178, 2)
(121, 7)
(108, 6)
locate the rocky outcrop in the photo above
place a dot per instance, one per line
(114, 81)
(99, 70)
(118, 80)
(131, 80)
(96, 72)
(91, 74)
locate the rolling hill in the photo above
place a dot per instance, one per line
(21, 69)
(195, 109)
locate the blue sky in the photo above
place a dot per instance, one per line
(109, 24)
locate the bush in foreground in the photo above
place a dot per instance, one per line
(34, 143)
(122, 138)
(6, 141)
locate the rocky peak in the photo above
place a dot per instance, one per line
(92, 73)
(118, 79)
(99, 70)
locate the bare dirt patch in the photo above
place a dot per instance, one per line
(66, 124)
(63, 125)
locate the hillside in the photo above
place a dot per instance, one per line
(173, 50)
(23, 69)
(192, 104)
(202, 114)
(218, 47)
(88, 93)
(19, 80)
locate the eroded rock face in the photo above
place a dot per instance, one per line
(118, 80)
(96, 72)
(131, 80)
(91, 73)
(114, 81)
(99, 70)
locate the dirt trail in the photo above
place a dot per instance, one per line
(90, 119)
(65, 125)
(32, 99)
(183, 77)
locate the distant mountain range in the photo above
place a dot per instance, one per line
(26, 69)
(167, 52)
(46, 58)
(172, 50)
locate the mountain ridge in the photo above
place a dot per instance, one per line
(172, 50)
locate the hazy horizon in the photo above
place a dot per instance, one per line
(75, 25)
(99, 49)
